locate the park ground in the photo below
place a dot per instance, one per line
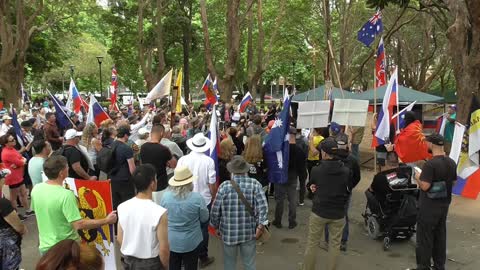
(285, 249)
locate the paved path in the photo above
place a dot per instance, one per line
(285, 250)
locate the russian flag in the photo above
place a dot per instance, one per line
(440, 124)
(389, 101)
(245, 101)
(210, 94)
(75, 97)
(213, 134)
(96, 114)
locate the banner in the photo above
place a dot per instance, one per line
(95, 202)
(313, 114)
(350, 112)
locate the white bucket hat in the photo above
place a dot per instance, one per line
(181, 176)
(199, 143)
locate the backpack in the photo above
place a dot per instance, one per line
(106, 158)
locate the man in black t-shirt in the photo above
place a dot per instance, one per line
(158, 155)
(77, 161)
(435, 183)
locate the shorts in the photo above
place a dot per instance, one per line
(16, 185)
(381, 157)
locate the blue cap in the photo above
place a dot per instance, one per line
(335, 127)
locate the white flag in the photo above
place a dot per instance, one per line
(162, 88)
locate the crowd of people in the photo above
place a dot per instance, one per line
(166, 188)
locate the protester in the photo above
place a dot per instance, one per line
(253, 154)
(179, 139)
(52, 133)
(236, 226)
(6, 125)
(13, 161)
(143, 225)
(69, 254)
(173, 147)
(329, 182)
(203, 167)
(92, 144)
(158, 155)
(380, 186)
(124, 166)
(143, 135)
(288, 190)
(187, 210)
(77, 160)
(227, 151)
(135, 125)
(236, 139)
(356, 135)
(435, 182)
(256, 127)
(450, 127)
(302, 147)
(56, 208)
(410, 145)
(11, 232)
(35, 165)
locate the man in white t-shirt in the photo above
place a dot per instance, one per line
(203, 167)
(142, 247)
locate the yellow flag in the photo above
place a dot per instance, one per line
(178, 84)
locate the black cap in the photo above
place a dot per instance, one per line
(292, 130)
(26, 124)
(436, 139)
(329, 145)
(122, 131)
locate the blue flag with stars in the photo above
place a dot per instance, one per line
(370, 29)
(276, 147)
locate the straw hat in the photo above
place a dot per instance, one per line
(181, 176)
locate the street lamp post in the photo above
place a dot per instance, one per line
(100, 59)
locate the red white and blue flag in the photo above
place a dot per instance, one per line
(380, 74)
(384, 115)
(113, 90)
(96, 114)
(210, 94)
(247, 99)
(214, 136)
(74, 98)
(370, 29)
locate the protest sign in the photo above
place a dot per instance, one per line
(313, 114)
(350, 112)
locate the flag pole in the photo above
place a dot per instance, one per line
(68, 117)
(374, 111)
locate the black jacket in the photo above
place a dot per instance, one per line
(352, 163)
(331, 178)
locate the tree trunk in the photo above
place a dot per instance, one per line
(187, 40)
(206, 42)
(250, 50)
(233, 47)
(327, 20)
(464, 37)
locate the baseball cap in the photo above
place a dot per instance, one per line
(72, 133)
(335, 127)
(453, 106)
(436, 139)
(329, 145)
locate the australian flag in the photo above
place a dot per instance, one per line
(370, 29)
(276, 147)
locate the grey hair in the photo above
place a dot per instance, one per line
(181, 191)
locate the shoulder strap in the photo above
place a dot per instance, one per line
(242, 198)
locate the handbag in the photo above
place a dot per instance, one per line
(265, 236)
(438, 190)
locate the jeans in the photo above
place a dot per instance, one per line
(203, 248)
(345, 232)
(189, 259)
(316, 229)
(247, 252)
(288, 191)
(432, 238)
(356, 151)
(132, 263)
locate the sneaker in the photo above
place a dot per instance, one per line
(301, 203)
(277, 224)
(343, 246)
(29, 213)
(206, 261)
(292, 225)
(21, 217)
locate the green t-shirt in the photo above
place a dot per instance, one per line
(55, 208)
(449, 128)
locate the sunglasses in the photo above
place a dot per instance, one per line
(11, 140)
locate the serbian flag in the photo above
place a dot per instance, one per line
(382, 130)
(380, 74)
(95, 202)
(247, 99)
(113, 89)
(74, 98)
(96, 114)
(468, 169)
(410, 144)
(210, 94)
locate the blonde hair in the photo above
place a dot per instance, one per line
(181, 191)
(226, 149)
(107, 123)
(253, 149)
(88, 135)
